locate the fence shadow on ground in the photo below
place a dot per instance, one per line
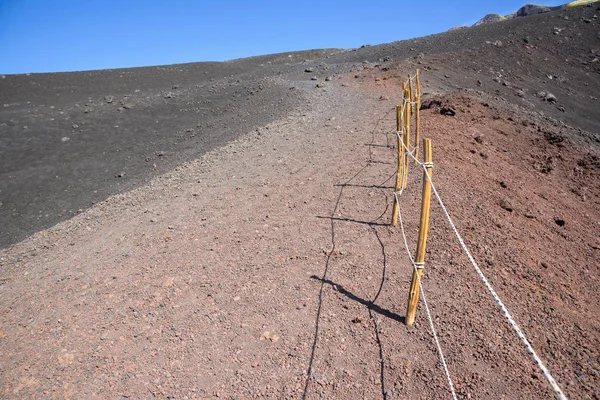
(370, 304)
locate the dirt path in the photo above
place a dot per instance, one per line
(263, 264)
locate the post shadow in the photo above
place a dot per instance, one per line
(323, 279)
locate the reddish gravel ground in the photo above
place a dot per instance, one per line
(270, 259)
(267, 267)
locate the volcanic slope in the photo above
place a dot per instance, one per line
(266, 267)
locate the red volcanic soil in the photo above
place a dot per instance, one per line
(264, 266)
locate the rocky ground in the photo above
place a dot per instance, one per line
(259, 262)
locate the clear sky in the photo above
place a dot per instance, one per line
(61, 35)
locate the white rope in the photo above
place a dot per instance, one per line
(416, 267)
(557, 391)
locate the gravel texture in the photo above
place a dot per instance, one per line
(256, 260)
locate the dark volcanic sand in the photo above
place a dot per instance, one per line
(64, 147)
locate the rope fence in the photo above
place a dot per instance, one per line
(410, 104)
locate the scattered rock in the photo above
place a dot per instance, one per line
(479, 139)
(520, 93)
(169, 282)
(430, 103)
(314, 78)
(108, 99)
(559, 221)
(448, 111)
(309, 70)
(328, 78)
(75, 126)
(65, 139)
(269, 336)
(506, 204)
(546, 96)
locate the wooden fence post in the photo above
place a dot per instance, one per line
(413, 297)
(417, 114)
(407, 115)
(400, 172)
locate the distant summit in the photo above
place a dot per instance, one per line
(489, 19)
(529, 9)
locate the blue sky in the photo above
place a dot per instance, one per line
(59, 35)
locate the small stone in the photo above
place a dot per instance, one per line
(448, 111)
(506, 204)
(559, 221)
(314, 78)
(169, 282)
(520, 93)
(550, 97)
(308, 70)
(75, 126)
(65, 139)
(479, 139)
(108, 99)
(327, 79)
